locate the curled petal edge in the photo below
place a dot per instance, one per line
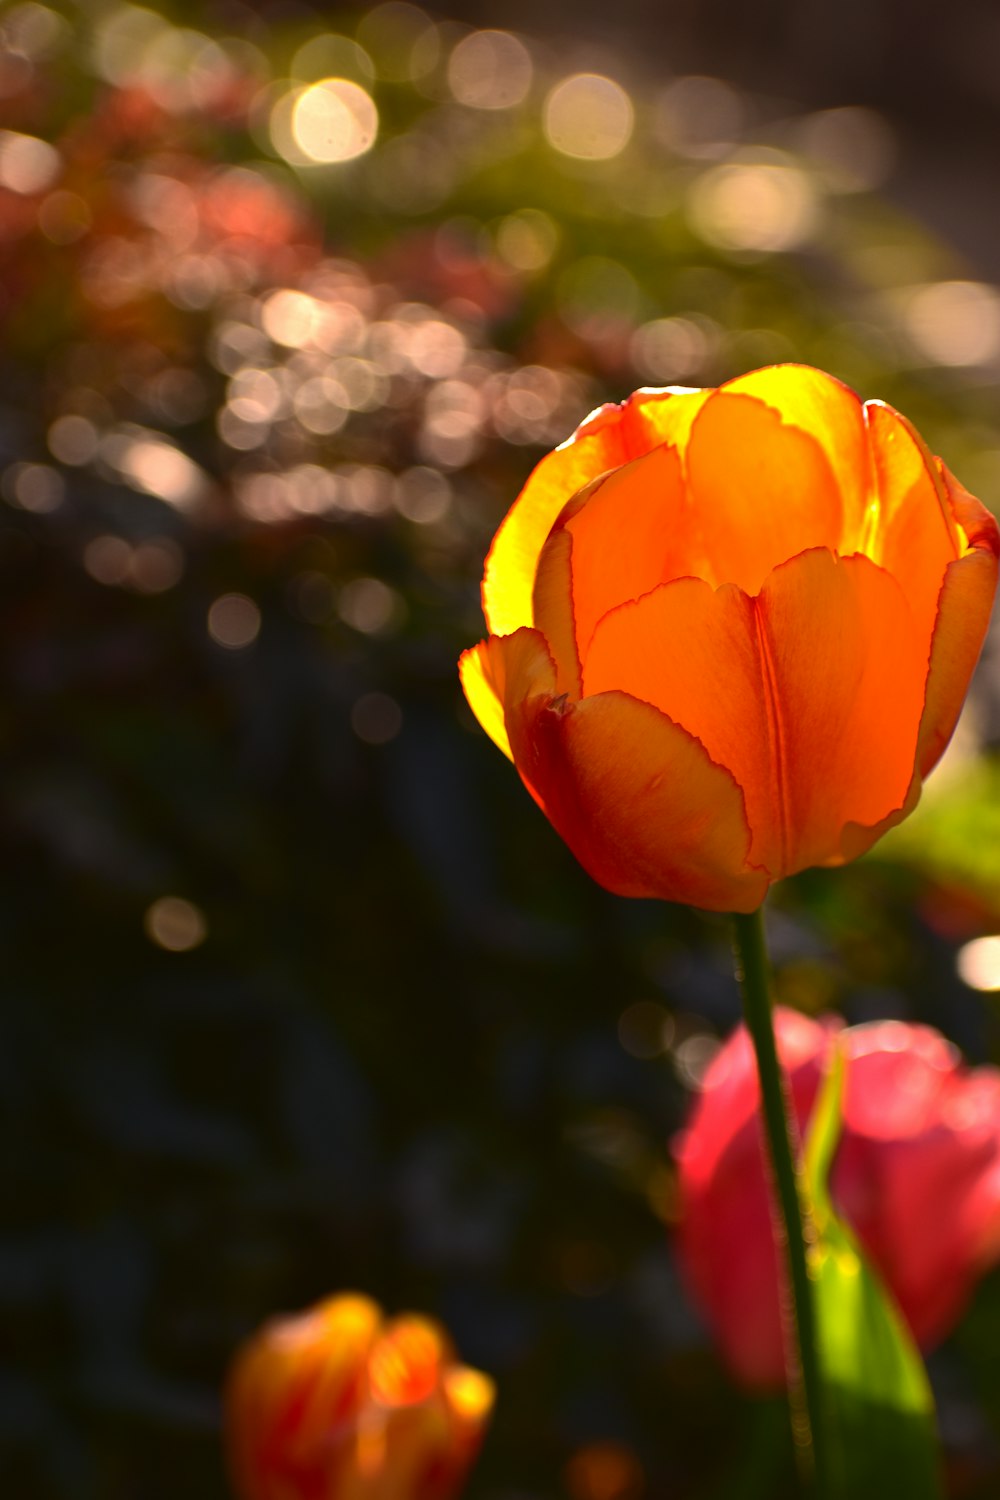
(611, 436)
(963, 616)
(636, 798)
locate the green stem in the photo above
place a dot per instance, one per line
(792, 1197)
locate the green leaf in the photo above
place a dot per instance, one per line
(880, 1404)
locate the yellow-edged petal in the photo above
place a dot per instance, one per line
(610, 437)
(830, 412)
(475, 671)
(910, 530)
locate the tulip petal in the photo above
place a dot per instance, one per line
(475, 671)
(610, 437)
(909, 531)
(767, 487)
(810, 693)
(830, 412)
(963, 616)
(553, 609)
(636, 798)
(637, 529)
(724, 1201)
(884, 1183)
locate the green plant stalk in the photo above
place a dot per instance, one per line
(792, 1197)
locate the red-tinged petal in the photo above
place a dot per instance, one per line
(883, 1188)
(294, 1388)
(764, 488)
(963, 616)
(407, 1359)
(977, 523)
(610, 437)
(830, 412)
(809, 693)
(729, 1095)
(726, 1226)
(909, 530)
(636, 798)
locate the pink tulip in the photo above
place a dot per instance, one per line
(917, 1176)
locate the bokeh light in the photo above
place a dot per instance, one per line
(376, 718)
(855, 147)
(755, 205)
(27, 165)
(234, 621)
(955, 322)
(589, 116)
(490, 70)
(175, 924)
(333, 120)
(699, 117)
(401, 39)
(978, 963)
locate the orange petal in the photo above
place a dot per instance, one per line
(611, 436)
(963, 615)
(809, 693)
(552, 604)
(297, 1381)
(637, 800)
(910, 531)
(406, 1362)
(830, 412)
(767, 486)
(637, 529)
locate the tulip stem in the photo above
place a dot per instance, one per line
(792, 1197)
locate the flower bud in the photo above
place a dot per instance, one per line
(336, 1402)
(916, 1175)
(731, 632)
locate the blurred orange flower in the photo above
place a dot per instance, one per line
(731, 632)
(337, 1402)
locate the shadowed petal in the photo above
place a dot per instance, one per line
(764, 489)
(810, 693)
(637, 799)
(910, 531)
(963, 615)
(552, 603)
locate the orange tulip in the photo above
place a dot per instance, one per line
(731, 632)
(337, 1404)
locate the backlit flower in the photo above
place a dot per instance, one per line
(916, 1175)
(731, 632)
(338, 1404)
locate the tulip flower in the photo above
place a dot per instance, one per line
(731, 632)
(338, 1404)
(916, 1175)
